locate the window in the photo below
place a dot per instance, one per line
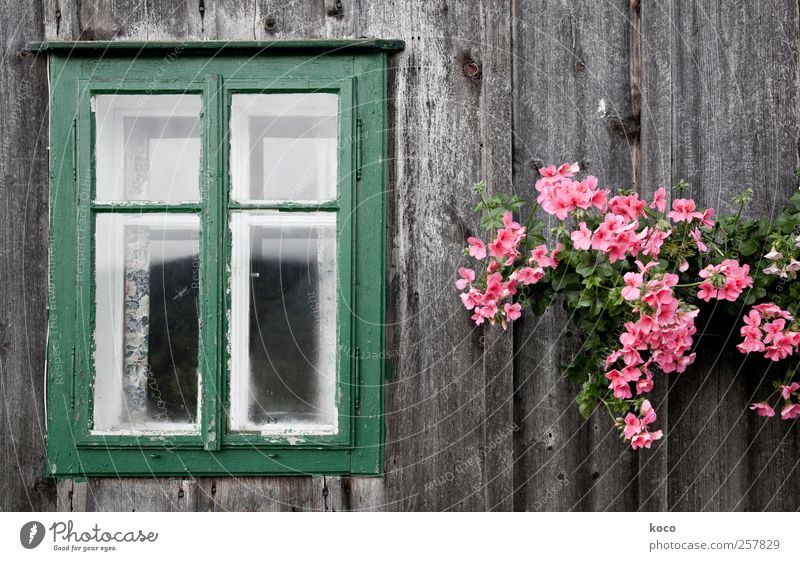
(217, 282)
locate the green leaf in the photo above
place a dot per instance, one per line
(748, 247)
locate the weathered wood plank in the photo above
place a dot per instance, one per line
(498, 354)
(23, 262)
(572, 101)
(735, 125)
(71, 495)
(271, 494)
(448, 92)
(656, 170)
(125, 19)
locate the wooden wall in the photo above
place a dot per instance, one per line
(641, 94)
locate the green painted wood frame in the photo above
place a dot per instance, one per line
(359, 77)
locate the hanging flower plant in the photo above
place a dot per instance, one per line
(630, 271)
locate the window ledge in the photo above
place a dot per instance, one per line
(306, 46)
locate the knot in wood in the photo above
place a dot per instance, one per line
(471, 69)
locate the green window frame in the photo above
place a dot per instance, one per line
(354, 70)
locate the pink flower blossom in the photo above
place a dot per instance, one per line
(645, 439)
(619, 384)
(628, 206)
(513, 311)
(539, 255)
(772, 310)
(696, 236)
(683, 210)
(705, 220)
(528, 275)
(633, 426)
(477, 248)
(725, 281)
(633, 281)
(762, 409)
(654, 242)
(659, 200)
(582, 237)
(467, 277)
(559, 194)
(790, 411)
(787, 391)
(647, 412)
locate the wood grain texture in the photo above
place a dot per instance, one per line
(734, 126)
(439, 462)
(486, 89)
(656, 170)
(23, 261)
(572, 78)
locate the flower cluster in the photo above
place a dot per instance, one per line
(791, 408)
(783, 266)
(661, 335)
(725, 281)
(635, 428)
(502, 278)
(629, 269)
(773, 338)
(560, 195)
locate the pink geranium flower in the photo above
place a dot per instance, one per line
(633, 426)
(645, 439)
(684, 210)
(790, 411)
(787, 391)
(696, 236)
(659, 200)
(512, 311)
(467, 277)
(633, 282)
(477, 248)
(528, 275)
(582, 237)
(762, 409)
(705, 220)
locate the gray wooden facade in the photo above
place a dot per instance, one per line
(643, 93)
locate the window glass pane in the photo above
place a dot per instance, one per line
(148, 147)
(283, 323)
(283, 146)
(146, 338)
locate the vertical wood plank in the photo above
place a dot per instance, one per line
(572, 102)
(735, 125)
(655, 44)
(60, 20)
(140, 495)
(126, 19)
(272, 494)
(23, 261)
(447, 404)
(498, 355)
